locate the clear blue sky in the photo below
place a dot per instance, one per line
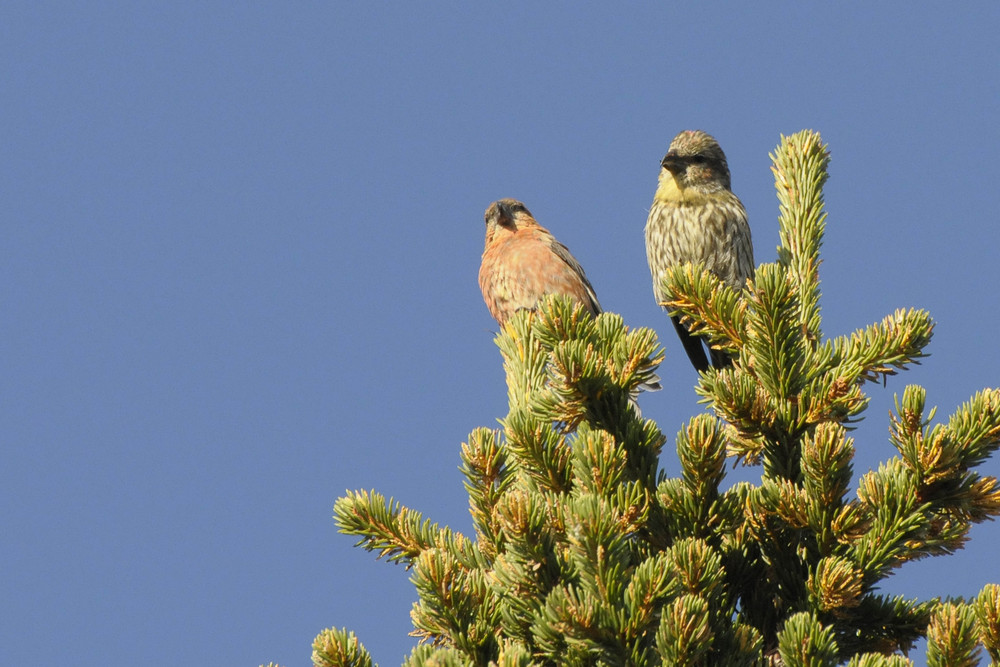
(240, 250)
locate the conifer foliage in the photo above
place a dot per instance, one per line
(586, 553)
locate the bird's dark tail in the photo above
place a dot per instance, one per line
(720, 359)
(693, 346)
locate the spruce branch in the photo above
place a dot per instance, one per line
(436, 656)
(987, 609)
(826, 475)
(879, 660)
(774, 345)
(705, 304)
(975, 428)
(487, 474)
(397, 533)
(936, 461)
(457, 607)
(538, 452)
(885, 624)
(685, 634)
(339, 648)
(951, 637)
(805, 642)
(800, 166)
(880, 349)
(835, 585)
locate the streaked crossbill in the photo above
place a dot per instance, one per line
(695, 217)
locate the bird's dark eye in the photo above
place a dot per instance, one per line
(697, 159)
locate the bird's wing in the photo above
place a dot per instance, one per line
(589, 298)
(743, 246)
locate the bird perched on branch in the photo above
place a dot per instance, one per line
(695, 218)
(522, 262)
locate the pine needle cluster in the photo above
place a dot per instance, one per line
(586, 553)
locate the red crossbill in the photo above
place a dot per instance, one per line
(522, 262)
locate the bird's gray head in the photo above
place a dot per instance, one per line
(505, 212)
(696, 160)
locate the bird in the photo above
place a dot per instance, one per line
(695, 217)
(522, 262)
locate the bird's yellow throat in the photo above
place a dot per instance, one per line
(670, 191)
